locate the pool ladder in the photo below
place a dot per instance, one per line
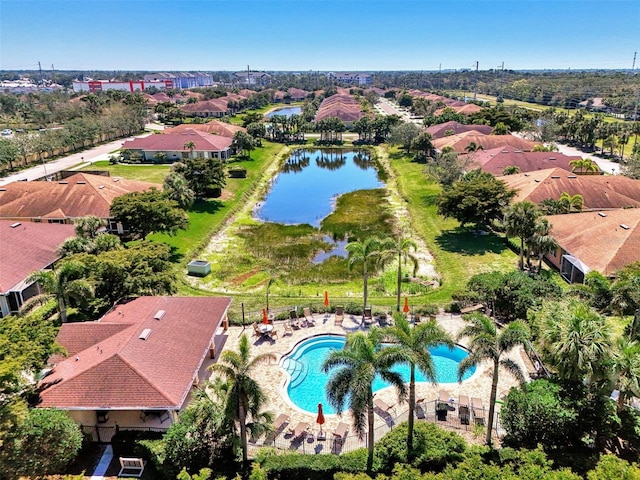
(298, 372)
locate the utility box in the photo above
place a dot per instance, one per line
(199, 268)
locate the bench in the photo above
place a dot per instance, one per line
(131, 467)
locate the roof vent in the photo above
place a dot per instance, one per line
(3, 189)
(526, 174)
(537, 180)
(626, 227)
(81, 183)
(145, 334)
(555, 176)
(602, 214)
(552, 158)
(159, 314)
(63, 183)
(116, 179)
(14, 225)
(571, 176)
(100, 187)
(517, 151)
(505, 151)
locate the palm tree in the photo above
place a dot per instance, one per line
(511, 170)
(541, 242)
(189, 146)
(414, 344)
(244, 397)
(584, 165)
(576, 341)
(626, 370)
(176, 187)
(520, 221)
(367, 253)
(472, 147)
(88, 227)
(486, 343)
(402, 248)
(63, 283)
(358, 364)
(571, 203)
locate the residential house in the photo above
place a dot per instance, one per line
(452, 127)
(76, 196)
(342, 106)
(598, 192)
(215, 127)
(189, 143)
(26, 247)
(136, 366)
(462, 141)
(291, 95)
(216, 107)
(604, 241)
(496, 160)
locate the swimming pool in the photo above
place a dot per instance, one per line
(306, 385)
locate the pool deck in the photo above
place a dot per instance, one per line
(272, 378)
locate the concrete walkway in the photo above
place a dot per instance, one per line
(103, 464)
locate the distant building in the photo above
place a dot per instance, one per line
(252, 78)
(182, 79)
(351, 78)
(93, 86)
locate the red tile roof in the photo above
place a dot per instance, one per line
(217, 105)
(344, 107)
(497, 159)
(76, 196)
(600, 242)
(551, 183)
(215, 127)
(28, 247)
(461, 141)
(174, 142)
(438, 131)
(110, 367)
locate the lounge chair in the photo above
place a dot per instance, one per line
(478, 411)
(273, 334)
(382, 405)
(340, 433)
(288, 328)
(442, 405)
(339, 316)
(280, 422)
(382, 320)
(419, 409)
(308, 317)
(463, 409)
(293, 319)
(367, 317)
(256, 332)
(300, 430)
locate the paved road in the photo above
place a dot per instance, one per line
(604, 164)
(75, 160)
(387, 107)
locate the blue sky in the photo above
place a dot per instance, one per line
(302, 35)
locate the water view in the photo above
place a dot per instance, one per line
(306, 189)
(287, 111)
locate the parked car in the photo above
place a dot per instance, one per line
(7, 131)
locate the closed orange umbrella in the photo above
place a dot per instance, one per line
(265, 320)
(320, 419)
(405, 309)
(326, 298)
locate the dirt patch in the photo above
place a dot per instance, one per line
(240, 279)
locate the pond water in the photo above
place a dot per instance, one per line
(306, 189)
(286, 111)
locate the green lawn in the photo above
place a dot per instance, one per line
(146, 173)
(458, 253)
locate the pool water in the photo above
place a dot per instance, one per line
(306, 387)
(287, 112)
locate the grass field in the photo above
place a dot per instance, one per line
(145, 173)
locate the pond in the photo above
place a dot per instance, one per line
(286, 111)
(306, 189)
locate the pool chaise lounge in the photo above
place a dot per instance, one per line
(280, 422)
(382, 405)
(300, 430)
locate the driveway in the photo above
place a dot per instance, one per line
(73, 161)
(605, 165)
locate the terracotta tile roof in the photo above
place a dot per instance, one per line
(216, 105)
(344, 107)
(600, 242)
(174, 142)
(438, 131)
(551, 183)
(76, 196)
(497, 159)
(461, 141)
(112, 368)
(215, 127)
(37, 249)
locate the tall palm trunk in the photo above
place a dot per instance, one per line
(399, 279)
(412, 408)
(521, 253)
(366, 285)
(242, 419)
(370, 433)
(63, 308)
(492, 400)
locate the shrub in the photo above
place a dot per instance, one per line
(434, 447)
(125, 443)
